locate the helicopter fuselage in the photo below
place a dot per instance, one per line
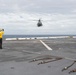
(39, 23)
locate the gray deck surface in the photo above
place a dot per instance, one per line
(15, 57)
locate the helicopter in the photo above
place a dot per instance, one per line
(39, 24)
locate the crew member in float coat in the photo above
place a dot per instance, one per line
(1, 36)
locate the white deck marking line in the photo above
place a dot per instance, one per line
(45, 45)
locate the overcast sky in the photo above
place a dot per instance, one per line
(58, 16)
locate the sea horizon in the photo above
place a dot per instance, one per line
(29, 36)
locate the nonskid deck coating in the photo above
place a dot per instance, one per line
(15, 57)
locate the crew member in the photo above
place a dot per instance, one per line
(1, 36)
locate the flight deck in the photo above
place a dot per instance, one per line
(38, 57)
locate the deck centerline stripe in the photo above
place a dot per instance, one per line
(45, 45)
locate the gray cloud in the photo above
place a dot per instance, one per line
(17, 15)
(38, 6)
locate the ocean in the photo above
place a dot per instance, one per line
(34, 36)
(25, 36)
